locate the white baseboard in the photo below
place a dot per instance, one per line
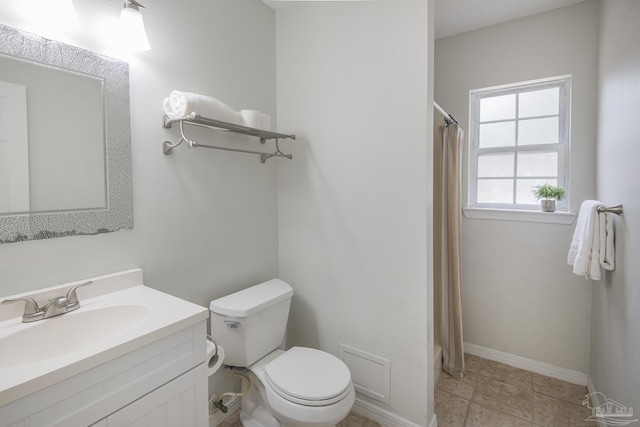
(541, 368)
(596, 402)
(218, 417)
(591, 388)
(437, 362)
(382, 416)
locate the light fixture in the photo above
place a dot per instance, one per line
(131, 34)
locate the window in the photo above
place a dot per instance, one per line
(519, 138)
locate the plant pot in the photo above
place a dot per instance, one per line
(548, 205)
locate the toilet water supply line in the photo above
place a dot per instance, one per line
(231, 395)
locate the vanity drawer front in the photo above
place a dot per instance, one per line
(94, 394)
(182, 402)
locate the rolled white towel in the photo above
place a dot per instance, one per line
(181, 104)
(266, 121)
(238, 118)
(166, 105)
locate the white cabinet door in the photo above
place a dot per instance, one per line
(182, 402)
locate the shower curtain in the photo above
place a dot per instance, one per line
(449, 142)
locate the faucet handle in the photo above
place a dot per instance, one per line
(31, 310)
(72, 297)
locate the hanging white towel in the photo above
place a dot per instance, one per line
(607, 252)
(592, 243)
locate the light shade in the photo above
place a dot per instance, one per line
(131, 34)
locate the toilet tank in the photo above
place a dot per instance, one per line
(251, 323)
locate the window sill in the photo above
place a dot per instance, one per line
(520, 215)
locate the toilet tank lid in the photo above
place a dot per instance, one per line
(252, 300)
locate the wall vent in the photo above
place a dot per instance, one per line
(371, 375)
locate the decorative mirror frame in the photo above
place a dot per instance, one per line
(115, 76)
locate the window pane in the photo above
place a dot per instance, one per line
(544, 102)
(497, 134)
(495, 165)
(524, 190)
(538, 163)
(495, 191)
(498, 108)
(538, 131)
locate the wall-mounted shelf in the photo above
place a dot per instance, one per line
(196, 120)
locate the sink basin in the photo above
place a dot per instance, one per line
(119, 316)
(50, 338)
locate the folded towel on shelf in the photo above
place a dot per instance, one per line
(592, 243)
(181, 104)
(255, 119)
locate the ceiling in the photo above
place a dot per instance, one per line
(457, 16)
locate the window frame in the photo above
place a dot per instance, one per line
(562, 147)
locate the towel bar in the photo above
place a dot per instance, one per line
(197, 120)
(617, 209)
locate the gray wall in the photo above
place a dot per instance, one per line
(353, 203)
(205, 221)
(353, 207)
(519, 296)
(615, 341)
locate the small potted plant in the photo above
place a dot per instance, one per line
(548, 194)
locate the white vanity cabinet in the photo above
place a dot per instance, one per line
(163, 383)
(174, 404)
(129, 356)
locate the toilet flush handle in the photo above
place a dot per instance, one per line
(232, 323)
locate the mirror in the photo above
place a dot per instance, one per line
(39, 178)
(65, 154)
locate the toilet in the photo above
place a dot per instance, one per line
(298, 387)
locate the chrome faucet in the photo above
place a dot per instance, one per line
(55, 307)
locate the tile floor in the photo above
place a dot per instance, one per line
(493, 394)
(352, 420)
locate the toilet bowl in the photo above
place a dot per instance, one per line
(300, 387)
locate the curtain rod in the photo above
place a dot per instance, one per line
(447, 117)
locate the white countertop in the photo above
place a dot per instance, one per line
(163, 315)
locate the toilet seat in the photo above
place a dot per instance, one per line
(297, 411)
(309, 377)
